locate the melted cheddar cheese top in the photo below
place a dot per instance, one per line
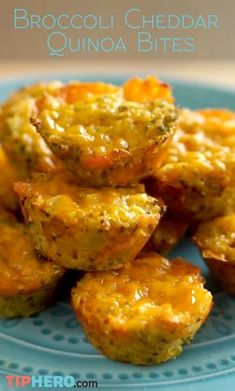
(21, 270)
(149, 288)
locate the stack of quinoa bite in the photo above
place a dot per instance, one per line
(83, 150)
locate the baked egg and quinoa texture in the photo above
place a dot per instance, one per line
(106, 180)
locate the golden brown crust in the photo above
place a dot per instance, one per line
(88, 229)
(24, 146)
(197, 179)
(166, 235)
(105, 138)
(144, 312)
(27, 284)
(21, 271)
(27, 304)
(111, 161)
(216, 241)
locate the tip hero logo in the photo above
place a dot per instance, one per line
(14, 382)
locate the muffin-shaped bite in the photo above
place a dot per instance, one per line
(197, 180)
(8, 175)
(216, 241)
(108, 139)
(23, 144)
(85, 228)
(167, 235)
(27, 284)
(144, 312)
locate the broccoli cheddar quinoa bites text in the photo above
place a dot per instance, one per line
(197, 180)
(108, 139)
(27, 284)
(144, 312)
(85, 228)
(216, 241)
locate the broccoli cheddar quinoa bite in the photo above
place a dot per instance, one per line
(28, 284)
(216, 241)
(110, 139)
(24, 146)
(144, 312)
(197, 179)
(167, 234)
(21, 141)
(86, 228)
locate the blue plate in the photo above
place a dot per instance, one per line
(52, 343)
